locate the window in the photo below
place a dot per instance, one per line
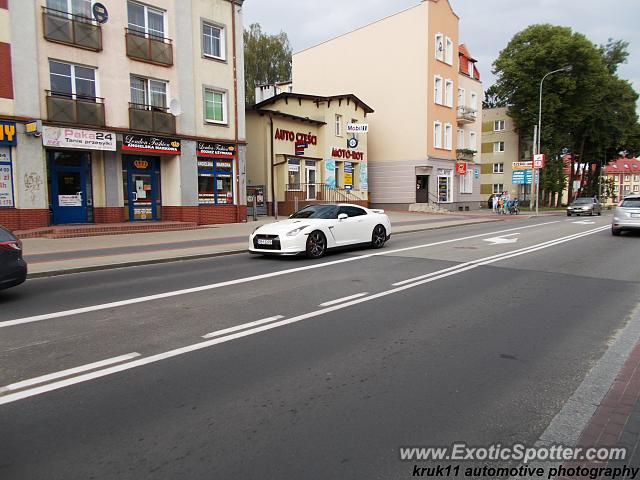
(448, 134)
(448, 49)
(460, 138)
(338, 125)
(72, 80)
(498, 125)
(215, 181)
(498, 147)
(215, 106)
(498, 188)
(448, 93)
(472, 141)
(437, 134)
(460, 97)
(73, 7)
(498, 168)
(148, 93)
(474, 102)
(445, 177)
(437, 90)
(440, 47)
(145, 20)
(636, 178)
(636, 188)
(466, 182)
(213, 41)
(293, 174)
(351, 211)
(627, 178)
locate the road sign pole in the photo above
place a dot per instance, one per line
(533, 171)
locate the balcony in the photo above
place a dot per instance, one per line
(151, 119)
(465, 154)
(466, 115)
(75, 109)
(63, 27)
(149, 48)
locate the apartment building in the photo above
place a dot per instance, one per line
(408, 67)
(625, 173)
(122, 111)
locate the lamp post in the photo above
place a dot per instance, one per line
(566, 68)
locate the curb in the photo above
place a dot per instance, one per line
(113, 266)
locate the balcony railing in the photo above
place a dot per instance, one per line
(151, 119)
(465, 154)
(76, 30)
(466, 115)
(149, 48)
(75, 109)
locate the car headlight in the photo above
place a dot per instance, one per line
(256, 229)
(296, 231)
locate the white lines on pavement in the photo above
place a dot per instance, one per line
(343, 299)
(159, 296)
(276, 324)
(225, 331)
(66, 373)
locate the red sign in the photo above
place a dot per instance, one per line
(299, 137)
(348, 154)
(215, 150)
(461, 168)
(538, 161)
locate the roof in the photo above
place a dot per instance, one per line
(314, 98)
(285, 115)
(623, 165)
(462, 50)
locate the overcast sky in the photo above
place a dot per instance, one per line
(486, 26)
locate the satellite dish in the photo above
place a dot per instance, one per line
(175, 107)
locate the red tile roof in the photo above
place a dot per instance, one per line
(623, 165)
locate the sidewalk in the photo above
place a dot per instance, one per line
(48, 257)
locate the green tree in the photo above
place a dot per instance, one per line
(267, 59)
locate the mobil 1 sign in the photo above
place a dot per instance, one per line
(357, 128)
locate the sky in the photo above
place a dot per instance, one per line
(486, 26)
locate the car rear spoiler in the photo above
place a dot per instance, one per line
(377, 210)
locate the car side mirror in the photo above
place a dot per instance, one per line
(343, 216)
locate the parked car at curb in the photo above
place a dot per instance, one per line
(13, 268)
(626, 215)
(317, 228)
(585, 206)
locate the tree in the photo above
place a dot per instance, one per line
(267, 59)
(492, 99)
(584, 111)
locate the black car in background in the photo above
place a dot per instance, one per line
(13, 268)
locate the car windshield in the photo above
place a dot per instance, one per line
(631, 203)
(5, 236)
(582, 201)
(317, 211)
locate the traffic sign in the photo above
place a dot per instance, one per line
(538, 161)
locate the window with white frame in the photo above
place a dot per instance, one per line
(146, 20)
(213, 41)
(498, 188)
(498, 168)
(474, 102)
(437, 134)
(472, 141)
(460, 97)
(448, 136)
(466, 182)
(636, 188)
(73, 81)
(215, 106)
(636, 178)
(460, 138)
(627, 178)
(81, 8)
(440, 46)
(437, 90)
(498, 147)
(338, 125)
(448, 49)
(448, 93)
(148, 93)
(498, 125)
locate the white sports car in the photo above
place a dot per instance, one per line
(316, 228)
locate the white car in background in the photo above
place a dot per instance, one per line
(626, 215)
(316, 228)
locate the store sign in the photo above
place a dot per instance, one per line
(8, 135)
(521, 177)
(6, 178)
(76, 138)
(142, 143)
(461, 168)
(348, 154)
(217, 150)
(357, 128)
(348, 175)
(141, 164)
(291, 136)
(70, 200)
(522, 165)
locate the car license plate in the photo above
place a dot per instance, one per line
(635, 215)
(265, 241)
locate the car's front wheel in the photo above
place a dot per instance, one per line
(378, 237)
(316, 244)
(568, 214)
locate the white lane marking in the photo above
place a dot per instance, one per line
(216, 341)
(343, 299)
(159, 296)
(225, 331)
(585, 222)
(502, 239)
(68, 372)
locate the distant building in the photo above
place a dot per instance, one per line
(625, 173)
(423, 86)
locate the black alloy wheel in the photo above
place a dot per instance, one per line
(378, 237)
(316, 244)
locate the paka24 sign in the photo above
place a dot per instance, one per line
(76, 138)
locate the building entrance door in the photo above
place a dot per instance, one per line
(422, 188)
(142, 189)
(70, 180)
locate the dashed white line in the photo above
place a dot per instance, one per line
(343, 299)
(225, 331)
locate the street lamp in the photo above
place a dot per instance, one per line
(566, 69)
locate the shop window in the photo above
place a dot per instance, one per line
(293, 174)
(444, 185)
(213, 41)
(215, 182)
(466, 182)
(215, 106)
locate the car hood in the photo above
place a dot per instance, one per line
(284, 226)
(581, 205)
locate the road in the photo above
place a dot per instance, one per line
(309, 369)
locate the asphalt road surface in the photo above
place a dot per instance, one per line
(309, 369)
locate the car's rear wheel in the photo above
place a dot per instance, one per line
(599, 213)
(616, 232)
(568, 214)
(378, 237)
(316, 244)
